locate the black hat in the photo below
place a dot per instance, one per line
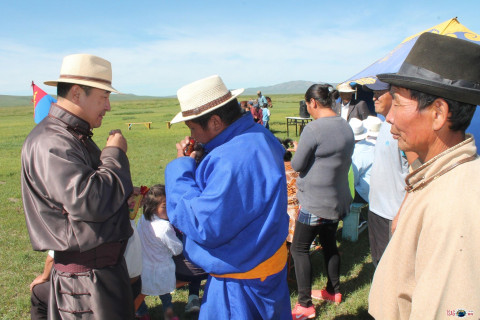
(443, 66)
(378, 86)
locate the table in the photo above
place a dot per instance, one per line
(297, 122)
(146, 124)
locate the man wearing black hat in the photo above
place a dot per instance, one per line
(430, 267)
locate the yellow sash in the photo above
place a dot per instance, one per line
(269, 267)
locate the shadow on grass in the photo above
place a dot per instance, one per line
(178, 299)
(353, 256)
(156, 312)
(362, 314)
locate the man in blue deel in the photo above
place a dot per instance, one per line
(231, 204)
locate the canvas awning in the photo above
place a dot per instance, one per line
(394, 59)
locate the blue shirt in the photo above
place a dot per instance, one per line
(266, 114)
(262, 101)
(387, 178)
(233, 214)
(362, 161)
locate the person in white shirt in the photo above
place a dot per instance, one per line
(159, 244)
(362, 160)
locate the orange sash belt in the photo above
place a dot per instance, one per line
(269, 267)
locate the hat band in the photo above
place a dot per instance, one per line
(411, 70)
(207, 106)
(68, 76)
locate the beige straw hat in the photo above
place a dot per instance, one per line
(345, 87)
(202, 96)
(85, 69)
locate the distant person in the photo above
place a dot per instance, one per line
(257, 113)
(349, 108)
(75, 195)
(266, 116)
(245, 106)
(322, 157)
(292, 176)
(159, 244)
(430, 269)
(261, 100)
(362, 161)
(387, 177)
(233, 214)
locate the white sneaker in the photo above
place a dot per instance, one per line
(193, 304)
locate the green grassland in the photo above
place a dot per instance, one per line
(149, 152)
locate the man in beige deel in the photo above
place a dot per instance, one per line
(431, 267)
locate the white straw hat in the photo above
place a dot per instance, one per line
(345, 87)
(202, 96)
(85, 69)
(373, 125)
(359, 130)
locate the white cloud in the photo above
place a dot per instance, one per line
(158, 57)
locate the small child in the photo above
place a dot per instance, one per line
(159, 244)
(266, 116)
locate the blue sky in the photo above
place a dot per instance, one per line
(158, 46)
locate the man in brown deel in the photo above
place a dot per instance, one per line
(74, 196)
(430, 269)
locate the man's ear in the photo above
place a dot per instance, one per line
(74, 93)
(440, 113)
(217, 124)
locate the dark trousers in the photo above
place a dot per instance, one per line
(41, 293)
(300, 249)
(39, 301)
(136, 287)
(194, 282)
(378, 235)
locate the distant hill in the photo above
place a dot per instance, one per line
(17, 101)
(291, 87)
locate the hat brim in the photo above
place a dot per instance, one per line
(378, 86)
(180, 118)
(466, 95)
(92, 84)
(361, 136)
(372, 134)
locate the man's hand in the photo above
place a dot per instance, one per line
(116, 139)
(181, 147)
(131, 199)
(45, 276)
(38, 280)
(294, 148)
